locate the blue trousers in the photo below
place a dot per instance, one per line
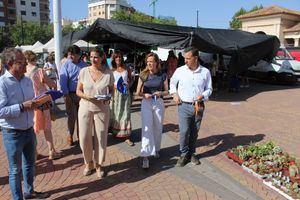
(20, 150)
(189, 126)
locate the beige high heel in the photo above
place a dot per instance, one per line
(88, 169)
(99, 171)
(53, 155)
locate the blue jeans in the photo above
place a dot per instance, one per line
(20, 150)
(189, 125)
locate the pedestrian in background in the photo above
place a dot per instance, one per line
(194, 87)
(42, 118)
(50, 68)
(68, 82)
(93, 113)
(152, 86)
(120, 124)
(16, 114)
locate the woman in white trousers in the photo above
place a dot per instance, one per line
(152, 86)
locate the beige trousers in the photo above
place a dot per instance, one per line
(93, 146)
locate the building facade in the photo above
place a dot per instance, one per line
(274, 20)
(27, 10)
(105, 8)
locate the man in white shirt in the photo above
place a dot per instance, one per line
(190, 86)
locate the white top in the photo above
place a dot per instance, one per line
(191, 84)
(117, 75)
(50, 69)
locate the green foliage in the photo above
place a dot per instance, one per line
(69, 28)
(140, 17)
(235, 23)
(25, 33)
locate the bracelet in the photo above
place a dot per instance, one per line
(21, 107)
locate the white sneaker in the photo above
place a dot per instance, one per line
(145, 163)
(156, 155)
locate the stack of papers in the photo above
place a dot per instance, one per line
(103, 96)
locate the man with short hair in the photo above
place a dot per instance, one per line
(16, 120)
(190, 86)
(68, 82)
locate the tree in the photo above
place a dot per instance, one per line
(235, 23)
(27, 33)
(136, 16)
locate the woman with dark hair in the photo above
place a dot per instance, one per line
(152, 86)
(95, 80)
(120, 124)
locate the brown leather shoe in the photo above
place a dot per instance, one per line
(70, 140)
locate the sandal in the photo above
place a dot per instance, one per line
(99, 171)
(53, 155)
(129, 142)
(88, 169)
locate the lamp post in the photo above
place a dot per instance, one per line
(197, 18)
(22, 30)
(153, 4)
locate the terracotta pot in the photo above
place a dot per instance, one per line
(234, 157)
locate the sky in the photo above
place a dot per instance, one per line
(211, 13)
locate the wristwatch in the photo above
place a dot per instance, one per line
(21, 107)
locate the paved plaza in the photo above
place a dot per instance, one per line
(260, 113)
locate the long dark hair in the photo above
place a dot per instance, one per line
(101, 53)
(114, 56)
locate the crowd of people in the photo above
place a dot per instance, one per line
(98, 100)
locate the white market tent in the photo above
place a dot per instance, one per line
(37, 45)
(49, 46)
(84, 45)
(29, 47)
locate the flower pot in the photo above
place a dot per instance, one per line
(234, 157)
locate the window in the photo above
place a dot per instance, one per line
(1, 14)
(1, 4)
(33, 4)
(10, 1)
(23, 12)
(23, 3)
(11, 12)
(46, 7)
(33, 14)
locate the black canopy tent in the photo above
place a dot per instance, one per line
(244, 48)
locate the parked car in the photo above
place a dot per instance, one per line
(294, 52)
(282, 68)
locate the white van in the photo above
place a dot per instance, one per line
(282, 68)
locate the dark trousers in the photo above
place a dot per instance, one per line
(189, 126)
(72, 106)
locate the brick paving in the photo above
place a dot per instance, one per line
(260, 113)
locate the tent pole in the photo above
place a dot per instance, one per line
(191, 38)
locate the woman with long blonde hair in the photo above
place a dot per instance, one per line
(152, 86)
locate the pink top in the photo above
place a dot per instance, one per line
(42, 119)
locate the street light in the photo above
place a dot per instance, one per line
(197, 18)
(22, 30)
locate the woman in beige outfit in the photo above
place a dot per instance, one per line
(94, 114)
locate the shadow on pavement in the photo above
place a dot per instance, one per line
(126, 172)
(245, 93)
(224, 142)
